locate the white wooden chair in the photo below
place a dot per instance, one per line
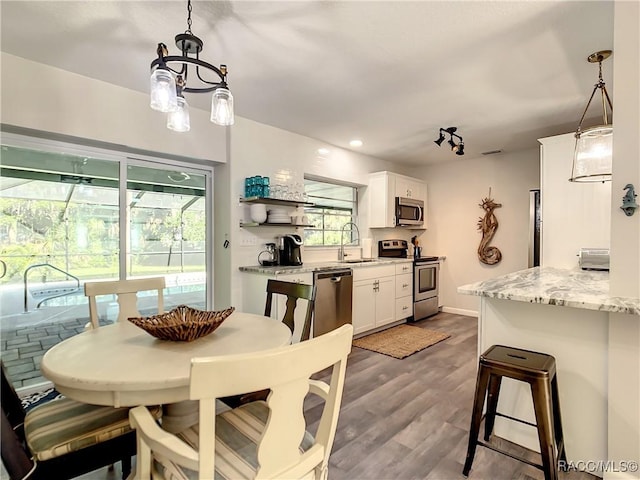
(126, 292)
(258, 440)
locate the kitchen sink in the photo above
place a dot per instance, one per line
(358, 260)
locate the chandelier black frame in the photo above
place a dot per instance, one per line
(178, 66)
(457, 148)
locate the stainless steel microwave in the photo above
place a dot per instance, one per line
(409, 212)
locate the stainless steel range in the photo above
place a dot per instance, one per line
(426, 271)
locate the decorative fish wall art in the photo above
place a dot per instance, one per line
(488, 225)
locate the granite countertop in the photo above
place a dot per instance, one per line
(313, 267)
(555, 286)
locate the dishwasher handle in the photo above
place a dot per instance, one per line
(334, 275)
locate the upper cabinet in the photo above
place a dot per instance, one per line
(383, 189)
(408, 187)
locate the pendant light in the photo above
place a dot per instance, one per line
(170, 79)
(592, 156)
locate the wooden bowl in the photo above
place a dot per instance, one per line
(183, 323)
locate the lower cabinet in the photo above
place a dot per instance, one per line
(404, 291)
(404, 296)
(374, 297)
(254, 302)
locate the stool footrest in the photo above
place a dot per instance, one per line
(509, 454)
(516, 419)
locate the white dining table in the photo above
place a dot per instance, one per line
(122, 365)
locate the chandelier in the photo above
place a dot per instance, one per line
(170, 79)
(592, 155)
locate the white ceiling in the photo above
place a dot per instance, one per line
(390, 73)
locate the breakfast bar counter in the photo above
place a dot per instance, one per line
(556, 286)
(564, 313)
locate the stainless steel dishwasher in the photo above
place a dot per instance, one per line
(333, 299)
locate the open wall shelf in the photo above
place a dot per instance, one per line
(276, 201)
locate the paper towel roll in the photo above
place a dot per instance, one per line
(366, 248)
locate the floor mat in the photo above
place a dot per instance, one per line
(400, 341)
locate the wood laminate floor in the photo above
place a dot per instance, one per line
(408, 419)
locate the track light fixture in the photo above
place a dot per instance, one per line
(457, 148)
(169, 81)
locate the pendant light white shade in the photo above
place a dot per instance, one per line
(163, 91)
(178, 121)
(222, 107)
(592, 157)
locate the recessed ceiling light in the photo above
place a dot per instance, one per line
(355, 143)
(324, 151)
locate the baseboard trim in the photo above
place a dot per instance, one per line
(460, 311)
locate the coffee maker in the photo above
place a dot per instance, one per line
(290, 253)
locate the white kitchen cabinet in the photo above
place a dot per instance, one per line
(383, 189)
(409, 188)
(404, 290)
(404, 268)
(255, 296)
(374, 295)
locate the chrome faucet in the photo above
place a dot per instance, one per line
(341, 253)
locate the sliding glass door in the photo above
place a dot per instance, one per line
(69, 215)
(167, 230)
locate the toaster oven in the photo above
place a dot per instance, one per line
(593, 258)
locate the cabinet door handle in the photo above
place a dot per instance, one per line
(405, 308)
(405, 285)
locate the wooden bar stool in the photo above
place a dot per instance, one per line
(539, 371)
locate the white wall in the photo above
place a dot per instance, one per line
(574, 214)
(455, 190)
(259, 149)
(624, 330)
(40, 97)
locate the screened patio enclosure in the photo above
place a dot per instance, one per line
(66, 219)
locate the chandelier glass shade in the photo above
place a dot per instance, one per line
(173, 75)
(592, 158)
(163, 91)
(178, 120)
(222, 107)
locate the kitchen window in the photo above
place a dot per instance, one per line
(334, 205)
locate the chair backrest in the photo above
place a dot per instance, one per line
(11, 404)
(15, 458)
(287, 372)
(293, 292)
(126, 293)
